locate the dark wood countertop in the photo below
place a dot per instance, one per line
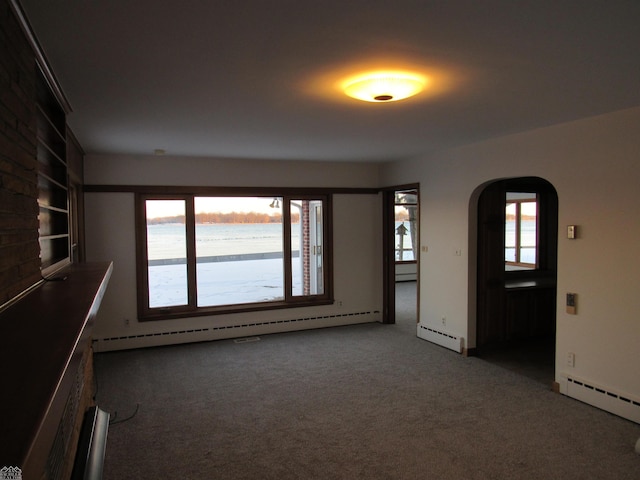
(43, 337)
(529, 283)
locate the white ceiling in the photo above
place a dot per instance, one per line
(254, 78)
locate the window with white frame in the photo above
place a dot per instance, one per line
(521, 231)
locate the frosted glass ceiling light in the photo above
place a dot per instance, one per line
(384, 86)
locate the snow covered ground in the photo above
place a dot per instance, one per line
(220, 283)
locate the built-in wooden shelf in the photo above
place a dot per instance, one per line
(46, 347)
(53, 179)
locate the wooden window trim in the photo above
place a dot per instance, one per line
(192, 310)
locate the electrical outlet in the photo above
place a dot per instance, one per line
(571, 359)
(339, 303)
(126, 322)
(444, 320)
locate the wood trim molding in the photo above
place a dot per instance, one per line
(41, 60)
(230, 191)
(406, 186)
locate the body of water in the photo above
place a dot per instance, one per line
(168, 241)
(240, 263)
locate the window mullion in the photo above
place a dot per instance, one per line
(142, 254)
(537, 260)
(518, 230)
(287, 255)
(190, 223)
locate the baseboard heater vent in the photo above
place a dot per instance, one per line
(620, 404)
(237, 328)
(91, 446)
(447, 340)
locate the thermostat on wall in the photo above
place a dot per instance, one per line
(571, 303)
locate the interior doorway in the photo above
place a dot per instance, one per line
(517, 244)
(401, 239)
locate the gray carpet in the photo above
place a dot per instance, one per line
(406, 304)
(367, 401)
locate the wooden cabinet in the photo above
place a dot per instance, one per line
(530, 309)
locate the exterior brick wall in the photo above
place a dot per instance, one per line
(306, 249)
(19, 247)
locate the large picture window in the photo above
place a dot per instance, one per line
(204, 254)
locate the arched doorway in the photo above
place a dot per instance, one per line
(517, 240)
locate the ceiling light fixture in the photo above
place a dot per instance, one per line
(381, 86)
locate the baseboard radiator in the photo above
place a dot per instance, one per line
(232, 331)
(91, 446)
(605, 398)
(444, 339)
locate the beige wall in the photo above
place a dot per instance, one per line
(110, 235)
(594, 164)
(202, 171)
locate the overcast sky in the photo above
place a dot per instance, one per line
(171, 208)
